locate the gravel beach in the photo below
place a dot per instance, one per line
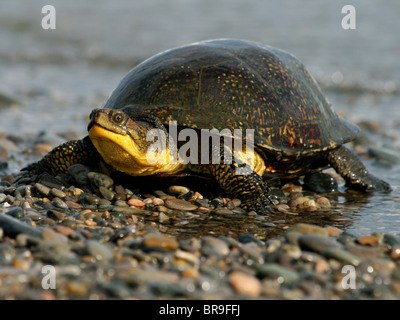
(105, 236)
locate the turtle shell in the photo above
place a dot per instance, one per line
(236, 84)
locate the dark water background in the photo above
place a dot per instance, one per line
(59, 75)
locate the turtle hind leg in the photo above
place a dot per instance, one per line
(60, 158)
(350, 167)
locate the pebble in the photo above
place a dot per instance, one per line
(12, 227)
(282, 274)
(56, 215)
(309, 228)
(100, 179)
(51, 235)
(58, 193)
(42, 189)
(221, 211)
(158, 202)
(368, 240)
(321, 183)
(245, 284)
(16, 212)
(383, 155)
(232, 204)
(136, 203)
(341, 255)
(317, 243)
(178, 190)
(323, 202)
(395, 253)
(214, 246)
(106, 193)
(99, 251)
(80, 174)
(179, 204)
(160, 242)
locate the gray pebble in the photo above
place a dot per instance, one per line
(100, 179)
(317, 243)
(42, 189)
(106, 193)
(59, 204)
(214, 246)
(80, 173)
(179, 204)
(99, 251)
(274, 270)
(16, 212)
(12, 227)
(341, 255)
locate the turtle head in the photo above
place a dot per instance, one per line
(131, 141)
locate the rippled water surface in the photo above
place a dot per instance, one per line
(57, 76)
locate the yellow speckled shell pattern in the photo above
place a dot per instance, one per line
(236, 84)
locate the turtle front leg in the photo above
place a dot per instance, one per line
(65, 155)
(239, 181)
(349, 166)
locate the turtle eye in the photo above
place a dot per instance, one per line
(118, 118)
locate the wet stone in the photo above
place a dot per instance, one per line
(232, 204)
(222, 211)
(321, 183)
(383, 155)
(214, 246)
(245, 284)
(99, 251)
(127, 211)
(100, 179)
(179, 204)
(136, 203)
(58, 193)
(306, 228)
(342, 255)
(363, 252)
(80, 174)
(91, 199)
(277, 194)
(42, 189)
(177, 190)
(58, 203)
(368, 240)
(317, 243)
(106, 193)
(323, 202)
(51, 235)
(160, 242)
(274, 270)
(16, 212)
(56, 215)
(202, 203)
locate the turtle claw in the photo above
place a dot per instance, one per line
(373, 184)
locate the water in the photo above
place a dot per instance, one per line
(60, 75)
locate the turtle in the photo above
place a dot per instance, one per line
(219, 87)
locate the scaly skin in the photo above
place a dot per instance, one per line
(65, 155)
(349, 166)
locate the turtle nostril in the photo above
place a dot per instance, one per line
(94, 114)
